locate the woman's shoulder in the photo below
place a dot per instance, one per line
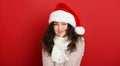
(81, 39)
(80, 42)
(80, 45)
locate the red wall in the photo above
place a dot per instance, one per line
(23, 23)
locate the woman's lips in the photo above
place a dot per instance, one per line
(60, 31)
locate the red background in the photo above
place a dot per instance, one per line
(23, 23)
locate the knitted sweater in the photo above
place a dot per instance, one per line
(74, 58)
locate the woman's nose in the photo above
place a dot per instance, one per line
(59, 27)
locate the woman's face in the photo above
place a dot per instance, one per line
(60, 28)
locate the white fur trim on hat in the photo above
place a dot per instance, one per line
(62, 16)
(80, 30)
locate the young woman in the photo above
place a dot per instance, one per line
(63, 44)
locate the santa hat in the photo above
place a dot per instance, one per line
(63, 13)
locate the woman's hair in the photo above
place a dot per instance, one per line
(47, 41)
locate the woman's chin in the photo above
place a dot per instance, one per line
(61, 35)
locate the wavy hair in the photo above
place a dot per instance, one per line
(47, 40)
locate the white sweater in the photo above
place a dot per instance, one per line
(74, 58)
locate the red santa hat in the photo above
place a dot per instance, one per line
(63, 13)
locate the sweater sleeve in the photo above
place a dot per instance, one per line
(46, 60)
(76, 56)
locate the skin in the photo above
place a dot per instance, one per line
(60, 28)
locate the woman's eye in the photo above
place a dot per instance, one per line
(64, 23)
(55, 23)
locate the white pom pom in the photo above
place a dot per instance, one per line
(80, 30)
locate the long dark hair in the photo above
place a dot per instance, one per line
(47, 41)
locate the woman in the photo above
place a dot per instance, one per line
(63, 44)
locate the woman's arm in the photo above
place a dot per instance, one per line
(46, 60)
